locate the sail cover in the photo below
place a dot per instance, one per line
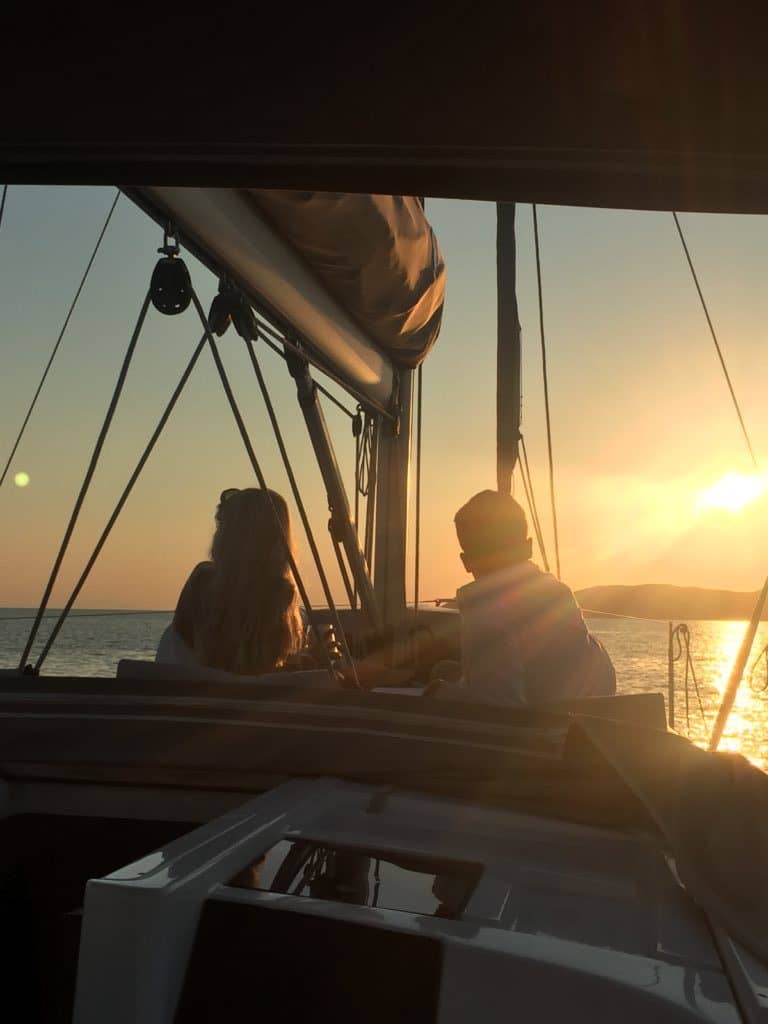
(358, 278)
(376, 254)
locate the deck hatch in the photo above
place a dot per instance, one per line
(365, 877)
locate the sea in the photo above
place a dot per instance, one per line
(92, 642)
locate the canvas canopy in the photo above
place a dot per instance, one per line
(659, 105)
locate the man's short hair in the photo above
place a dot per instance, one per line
(490, 524)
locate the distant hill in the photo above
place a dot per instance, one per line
(663, 601)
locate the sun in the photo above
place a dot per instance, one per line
(732, 492)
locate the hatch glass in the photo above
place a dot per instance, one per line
(363, 877)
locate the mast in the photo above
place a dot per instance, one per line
(508, 373)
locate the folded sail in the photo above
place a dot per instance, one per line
(359, 278)
(376, 254)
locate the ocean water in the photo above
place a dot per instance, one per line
(91, 644)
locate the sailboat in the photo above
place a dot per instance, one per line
(188, 849)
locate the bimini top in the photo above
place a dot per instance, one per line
(654, 105)
(358, 278)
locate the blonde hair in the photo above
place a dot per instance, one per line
(251, 620)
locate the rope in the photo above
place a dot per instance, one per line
(255, 465)
(682, 635)
(87, 479)
(296, 494)
(363, 457)
(370, 496)
(417, 544)
(120, 504)
(717, 343)
(546, 389)
(68, 317)
(357, 474)
(525, 471)
(357, 426)
(2, 203)
(763, 655)
(363, 429)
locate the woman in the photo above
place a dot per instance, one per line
(239, 612)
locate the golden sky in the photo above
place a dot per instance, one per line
(642, 421)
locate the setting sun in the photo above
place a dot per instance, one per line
(732, 492)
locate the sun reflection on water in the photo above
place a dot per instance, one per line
(741, 718)
(639, 652)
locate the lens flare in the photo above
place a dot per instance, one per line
(732, 492)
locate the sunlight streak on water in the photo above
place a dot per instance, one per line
(639, 652)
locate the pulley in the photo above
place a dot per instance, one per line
(357, 422)
(220, 314)
(171, 286)
(230, 306)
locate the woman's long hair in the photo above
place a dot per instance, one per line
(251, 621)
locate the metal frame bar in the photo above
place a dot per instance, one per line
(342, 524)
(154, 207)
(391, 526)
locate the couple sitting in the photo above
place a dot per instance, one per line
(523, 636)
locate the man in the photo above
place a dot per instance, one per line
(523, 635)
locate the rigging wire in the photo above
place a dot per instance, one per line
(2, 203)
(62, 332)
(120, 504)
(243, 430)
(546, 389)
(336, 402)
(87, 479)
(534, 520)
(525, 471)
(273, 336)
(417, 539)
(719, 350)
(297, 494)
(85, 615)
(349, 589)
(618, 615)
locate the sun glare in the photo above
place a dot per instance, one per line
(732, 492)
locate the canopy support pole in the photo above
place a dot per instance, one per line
(737, 671)
(508, 373)
(391, 528)
(342, 525)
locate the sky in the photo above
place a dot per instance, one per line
(642, 424)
